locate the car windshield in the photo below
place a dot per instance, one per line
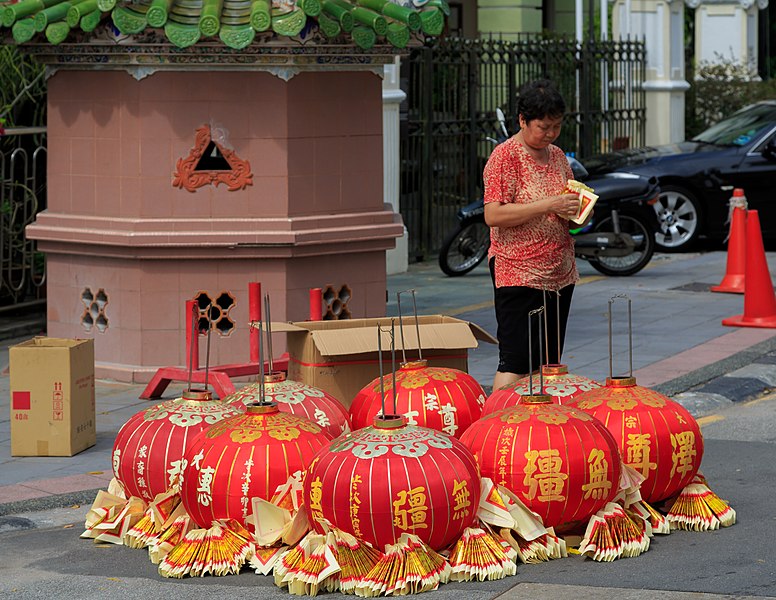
(741, 127)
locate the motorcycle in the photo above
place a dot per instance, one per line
(619, 240)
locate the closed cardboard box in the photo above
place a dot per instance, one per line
(340, 357)
(52, 397)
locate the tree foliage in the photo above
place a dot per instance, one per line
(22, 89)
(719, 89)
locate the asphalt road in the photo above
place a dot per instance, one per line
(41, 555)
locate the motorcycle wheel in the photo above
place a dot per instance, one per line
(464, 248)
(620, 266)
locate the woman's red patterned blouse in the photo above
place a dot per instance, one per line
(540, 252)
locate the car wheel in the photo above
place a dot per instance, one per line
(678, 217)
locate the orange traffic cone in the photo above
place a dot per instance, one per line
(759, 299)
(733, 281)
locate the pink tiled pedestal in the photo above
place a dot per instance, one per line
(313, 216)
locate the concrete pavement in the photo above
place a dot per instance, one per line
(679, 348)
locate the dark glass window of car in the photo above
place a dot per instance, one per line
(741, 127)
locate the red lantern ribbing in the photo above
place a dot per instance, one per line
(148, 449)
(440, 398)
(381, 481)
(562, 463)
(656, 436)
(243, 457)
(298, 399)
(558, 383)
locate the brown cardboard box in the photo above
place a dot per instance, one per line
(52, 397)
(340, 357)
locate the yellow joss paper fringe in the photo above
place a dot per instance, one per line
(169, 538)
(159, 516)
(221, 550)
(356, 559)
(142, 533)
(612, 533)
(481, 555)
(541, 549)
(697, 508)
(408, 567)
(309, 567)
(657, 522)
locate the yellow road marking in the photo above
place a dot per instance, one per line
(471, 307)
(710, 419)
(590, 279)
(769, 396)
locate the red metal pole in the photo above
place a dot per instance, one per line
(254, 314)
(316, 304)
(192, 335)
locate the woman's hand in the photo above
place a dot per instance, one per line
(565, 206)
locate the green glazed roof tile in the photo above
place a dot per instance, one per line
(235, 22)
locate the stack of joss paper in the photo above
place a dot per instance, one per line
(481, 555)
(159, 516)
(697, 508)
(613, 533)
(220, 550)
(587, 199)
(518, 525)
(329, 562)
(112, 515)
(407, 567)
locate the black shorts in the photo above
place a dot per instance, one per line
(512, 304)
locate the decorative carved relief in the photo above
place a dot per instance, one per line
(211, 163)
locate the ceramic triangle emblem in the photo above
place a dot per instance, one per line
(211, 163)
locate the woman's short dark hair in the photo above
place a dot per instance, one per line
(540, 99)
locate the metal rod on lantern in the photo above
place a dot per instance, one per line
(530, 351)
(269, 333)
(380, 362)
(261, 363)
(546, 330)
(207, 351)
(417, 324)
(393, 363)
(557, 322)
(630, 335)
(401, 328)
(401, 323)
(194, 332)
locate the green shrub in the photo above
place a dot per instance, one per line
(719, 89)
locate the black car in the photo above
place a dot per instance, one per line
(697, 177)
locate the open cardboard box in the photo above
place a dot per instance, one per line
(340, 357)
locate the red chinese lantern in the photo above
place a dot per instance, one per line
(298, 399)
(656, 436)
(562, 463)
(558, 383)
(440, 398)
(379, 482)
(243, 457)
(149, 447)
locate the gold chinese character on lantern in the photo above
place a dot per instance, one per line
(355, 505)
(684, 452)
(461, 495)
(597, 466)
(543, 474)
(409, 509)
(316, 495)
(638, 448)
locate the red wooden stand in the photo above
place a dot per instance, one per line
(219, 376)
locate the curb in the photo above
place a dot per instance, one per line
(85, 497)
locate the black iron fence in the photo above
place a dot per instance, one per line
(453, 88)
(22, 196)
